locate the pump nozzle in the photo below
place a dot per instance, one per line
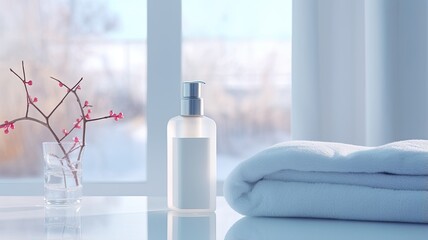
(191, 101)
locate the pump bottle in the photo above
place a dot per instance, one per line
(191, 155)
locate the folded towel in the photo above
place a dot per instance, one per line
(334, 180)
(251, 228)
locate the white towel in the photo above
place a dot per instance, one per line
(334, 180)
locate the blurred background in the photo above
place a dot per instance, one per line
(244, 58)
(102, 41)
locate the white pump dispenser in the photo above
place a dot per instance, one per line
(192, 155)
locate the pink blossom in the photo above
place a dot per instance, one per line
(33, 100)
(118, 116)
(76, 124)
(76, 139)
(30, 82)
(65, 131)
(86, 103)
(60, 84)
(8, 125)
(78, 87)
(87, 116)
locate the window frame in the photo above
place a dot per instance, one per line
(163, 52)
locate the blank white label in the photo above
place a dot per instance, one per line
(191, 173)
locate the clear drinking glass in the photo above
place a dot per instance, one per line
(63, 173)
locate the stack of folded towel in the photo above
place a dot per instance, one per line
(334, 180)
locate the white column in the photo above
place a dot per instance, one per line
(163, 84)
(305, 90)
(396, 70)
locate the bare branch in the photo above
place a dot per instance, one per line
(16, 74)
(23, 70)
(45, 123)
(97, 119)
(25, 118)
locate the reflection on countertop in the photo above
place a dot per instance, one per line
(115, 218)
(249, 228)
(63, 222)
(198, 226)
(146, 218)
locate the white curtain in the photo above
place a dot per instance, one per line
(360, 70)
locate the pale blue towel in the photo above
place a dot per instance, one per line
(334, 180)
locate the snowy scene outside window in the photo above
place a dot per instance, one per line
(242, 49)
(102, 41)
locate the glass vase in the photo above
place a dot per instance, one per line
(63, 173)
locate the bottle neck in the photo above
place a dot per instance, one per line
(192, 107)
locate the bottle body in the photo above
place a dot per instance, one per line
(192, 164)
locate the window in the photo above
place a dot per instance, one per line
(242, 49)
(243, 53)
(103, 41)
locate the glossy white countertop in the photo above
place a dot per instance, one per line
(146, 218)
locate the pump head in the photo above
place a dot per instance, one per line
(191, 102)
